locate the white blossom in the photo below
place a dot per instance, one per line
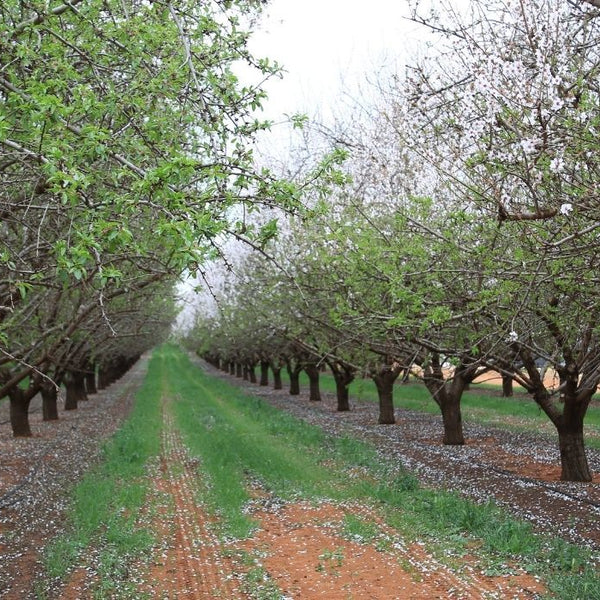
(556, 165)
(528, 145)
(566, 208)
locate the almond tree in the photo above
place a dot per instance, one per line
(509, 115)
(125, 139)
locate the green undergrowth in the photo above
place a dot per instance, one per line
(106, 503)
(482, 404)
(243, 443)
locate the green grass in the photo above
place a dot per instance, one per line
(242, 441)
(360, 530)
(105, 505)
(482, 404)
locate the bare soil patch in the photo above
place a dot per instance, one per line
(307, 556)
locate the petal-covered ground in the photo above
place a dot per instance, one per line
(299, 548)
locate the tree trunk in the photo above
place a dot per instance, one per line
(294, 375)
(238, 370)
(343, 378)
(277, 384)
(252, 373)
(109, 373)
(507, 386)
(231, 368)
(49, 402)
(447, 395)
(75, 387)
(19, 413)
(245, 372)
(312, 371)
(90, 381)
(264, 372)
(384, 382)
(452, 419)
(103, 377)
(573, 460)
(343, 397)
(569, 423)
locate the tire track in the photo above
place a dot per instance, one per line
(190, 564)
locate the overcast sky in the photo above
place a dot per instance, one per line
(327, 46)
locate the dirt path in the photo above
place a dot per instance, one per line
(299, 550)
(189, 561)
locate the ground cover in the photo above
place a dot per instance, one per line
(233, 497)
(481, 404)
(36, 475)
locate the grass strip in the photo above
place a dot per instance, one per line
(242, 440)
(105, 504)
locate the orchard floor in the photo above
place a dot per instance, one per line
(300, 545)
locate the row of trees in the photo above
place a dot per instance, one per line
(462, 236)
(125, 161)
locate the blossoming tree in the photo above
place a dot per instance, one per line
(509, 115)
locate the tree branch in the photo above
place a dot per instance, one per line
(41, 17)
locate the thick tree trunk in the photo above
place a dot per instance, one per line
(75, 390)
(569, 422)
(49, 402)
(573, 460)
(277, 383)
(574, 464)
(312, 371)
(385, 392)
(264, 373)
(294, 371)
(447, 395)
(239, 372)
(231, 368)
(343, 379)
(245, 372)
(343, 398)
(19, 414)
(294, 375)
(452, 419)
(507, 386)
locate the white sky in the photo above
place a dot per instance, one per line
(327, 46)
